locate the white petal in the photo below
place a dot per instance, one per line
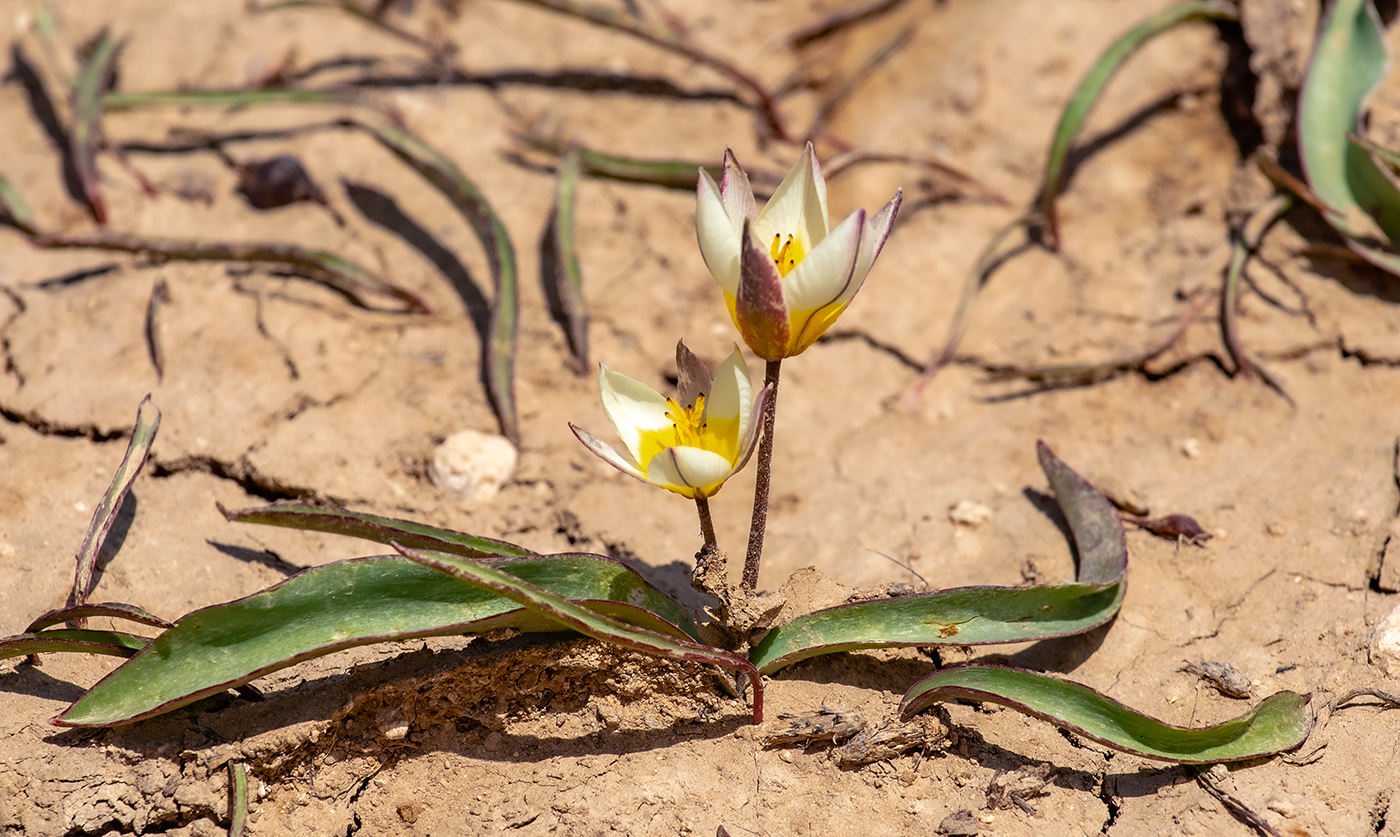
(731, 394)
(632, 407)
(718, 234)
(753, 425)
(877, 232)
(687, 466)
(605, 452)
(825, 275)
(798, 207)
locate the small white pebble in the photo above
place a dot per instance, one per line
(471, 466)
(80, 506)
(1385, 644)
(970, 514)
(1191, 447)
(785, 756)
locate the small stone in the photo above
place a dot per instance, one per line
(1385, 644)
(969, 514)
(472, 466)
(959, 824)
(1191, 447)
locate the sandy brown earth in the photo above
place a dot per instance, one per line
(275, 387)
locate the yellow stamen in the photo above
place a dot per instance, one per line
(786, 254)
(687, 421)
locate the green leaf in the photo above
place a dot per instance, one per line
(1280, 722)
(237, 798)
(372, 527)
(587, 622)
(231, 98)
(1087, 94)
(672, 174)
(110, 643)
(559, 264)
(346, 604)
(442, 173)
(144, 433)
(1351, 57)
(86, 134)
(978, 615)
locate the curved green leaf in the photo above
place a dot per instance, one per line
(978, 615)
(111, 643)
(1350, 59)
(1087, 94)
(350, 603)
(587, 622)
(229, 98)
(86, 134)
(373, 527)
(444, 174)
(15, 209)
(1280, 722)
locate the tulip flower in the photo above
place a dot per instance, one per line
(786, 275)
(690, 444)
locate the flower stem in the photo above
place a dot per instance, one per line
(760, 491)
(707, 525)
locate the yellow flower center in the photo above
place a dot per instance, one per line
(786, 252)
(687, 422)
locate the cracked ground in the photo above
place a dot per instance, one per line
(276, 388)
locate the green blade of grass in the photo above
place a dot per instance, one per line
(346, 604)
(979, 615)
(442, 173)
(1280, 722)
(237, 97)
(372, 527)
(144, 433)
(559, 264)
(588, 622)
(15, 210)
(109, 643)
(111, 610)
(1091, 88)
(342, 275)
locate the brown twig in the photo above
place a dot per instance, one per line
(160, 294)
(1238, 809)
(1244, 242)
(848, 85)
(840, 19)
(851, 158)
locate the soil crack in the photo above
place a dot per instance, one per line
(242, 472)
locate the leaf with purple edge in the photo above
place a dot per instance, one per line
(86, 133)
(347, 604)
(559, 262)
(14, 209)
(979, 615)
(1280, 722)
(142, 435)
(373, 527)
(589, 622)
(111, 610)
(83, 641)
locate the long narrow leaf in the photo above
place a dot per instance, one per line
(372, 527)
(1280, 722)
(86, 133)
(147, 423)
(672, 174)
(343, 275)
(15, 209)
(1087, 94)
(1351, 57)
(559, 264)
(237, 798)
(111, 610)
(438, 170)
(979, 615)
(346, 604)
(109, 643)
(588, 622)
(231, 98)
